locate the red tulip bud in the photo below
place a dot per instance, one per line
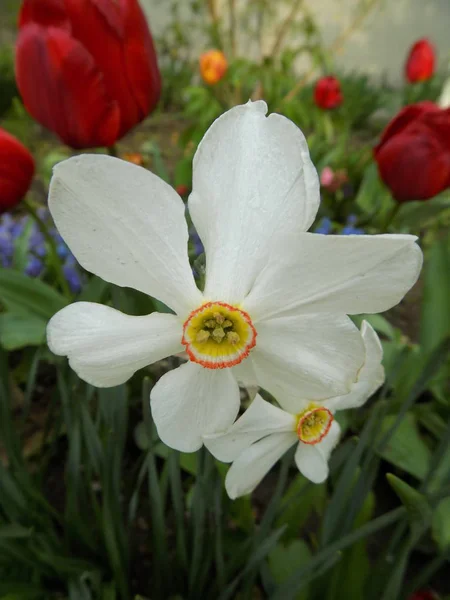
(420, 62)
(327, 93)
(16, 171)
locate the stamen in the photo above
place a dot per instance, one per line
(202, 336)
(218, 334)
(219, 318)
(233, 337)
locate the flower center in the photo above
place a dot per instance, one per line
(218, 335)
(313, 424)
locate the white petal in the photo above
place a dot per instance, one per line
(370, 377)
(307, 356)
(251, 466)
(312, 460)
(258, 421)
(105, 347)
(191, 402)
(252, 179)
(245, 373)
(126, 225)
(335, 273)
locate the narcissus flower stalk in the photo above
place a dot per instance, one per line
(258, 439)
(86, 69)
(16, 171)
(275, 302)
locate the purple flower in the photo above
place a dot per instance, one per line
(34, 266)
(349, 228)
(197, 243)
(325, 226)
(72, 274)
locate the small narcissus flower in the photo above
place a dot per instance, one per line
(86, 69)
(419, 65)
(413, 155)
(327, 93)
(275, 300)
(16, 171)
(265, 432)
(213, 66)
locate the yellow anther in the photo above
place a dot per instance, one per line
(227, 323)
(233, 337)
(202, 336)
(218, 334)
(219, 318)
(211, 323)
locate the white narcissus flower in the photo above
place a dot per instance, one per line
(264, 432)
(275, 301)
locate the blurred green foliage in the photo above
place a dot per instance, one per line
(8, 88)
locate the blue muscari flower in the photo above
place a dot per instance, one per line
(349, 228)
(34, 266)
(72, 274)
(325, 226)
(198, 246)
(6, 241)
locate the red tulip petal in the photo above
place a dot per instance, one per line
(117, 36)
(16, 171)
(439, 123)
(140, 59)
(414, 165)
(405, 117)
(44, 12)
(63, 89)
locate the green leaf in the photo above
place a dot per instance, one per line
(417, 507)
(285, 560)
(440, 525)
(20, 293)
(372, 196)
(405, 449)
(14, 531)
(435, 321)
(20, 330)
(416, 215)
(378, 322)
(299, 502)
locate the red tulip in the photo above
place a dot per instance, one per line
(327, 93)
(420, 62)
(86, 69)
(423, 595)
(16, 171)
(413, 155)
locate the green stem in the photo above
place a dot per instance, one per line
(55, 262)
(390, 216)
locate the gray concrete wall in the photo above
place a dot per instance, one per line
(378, 47)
